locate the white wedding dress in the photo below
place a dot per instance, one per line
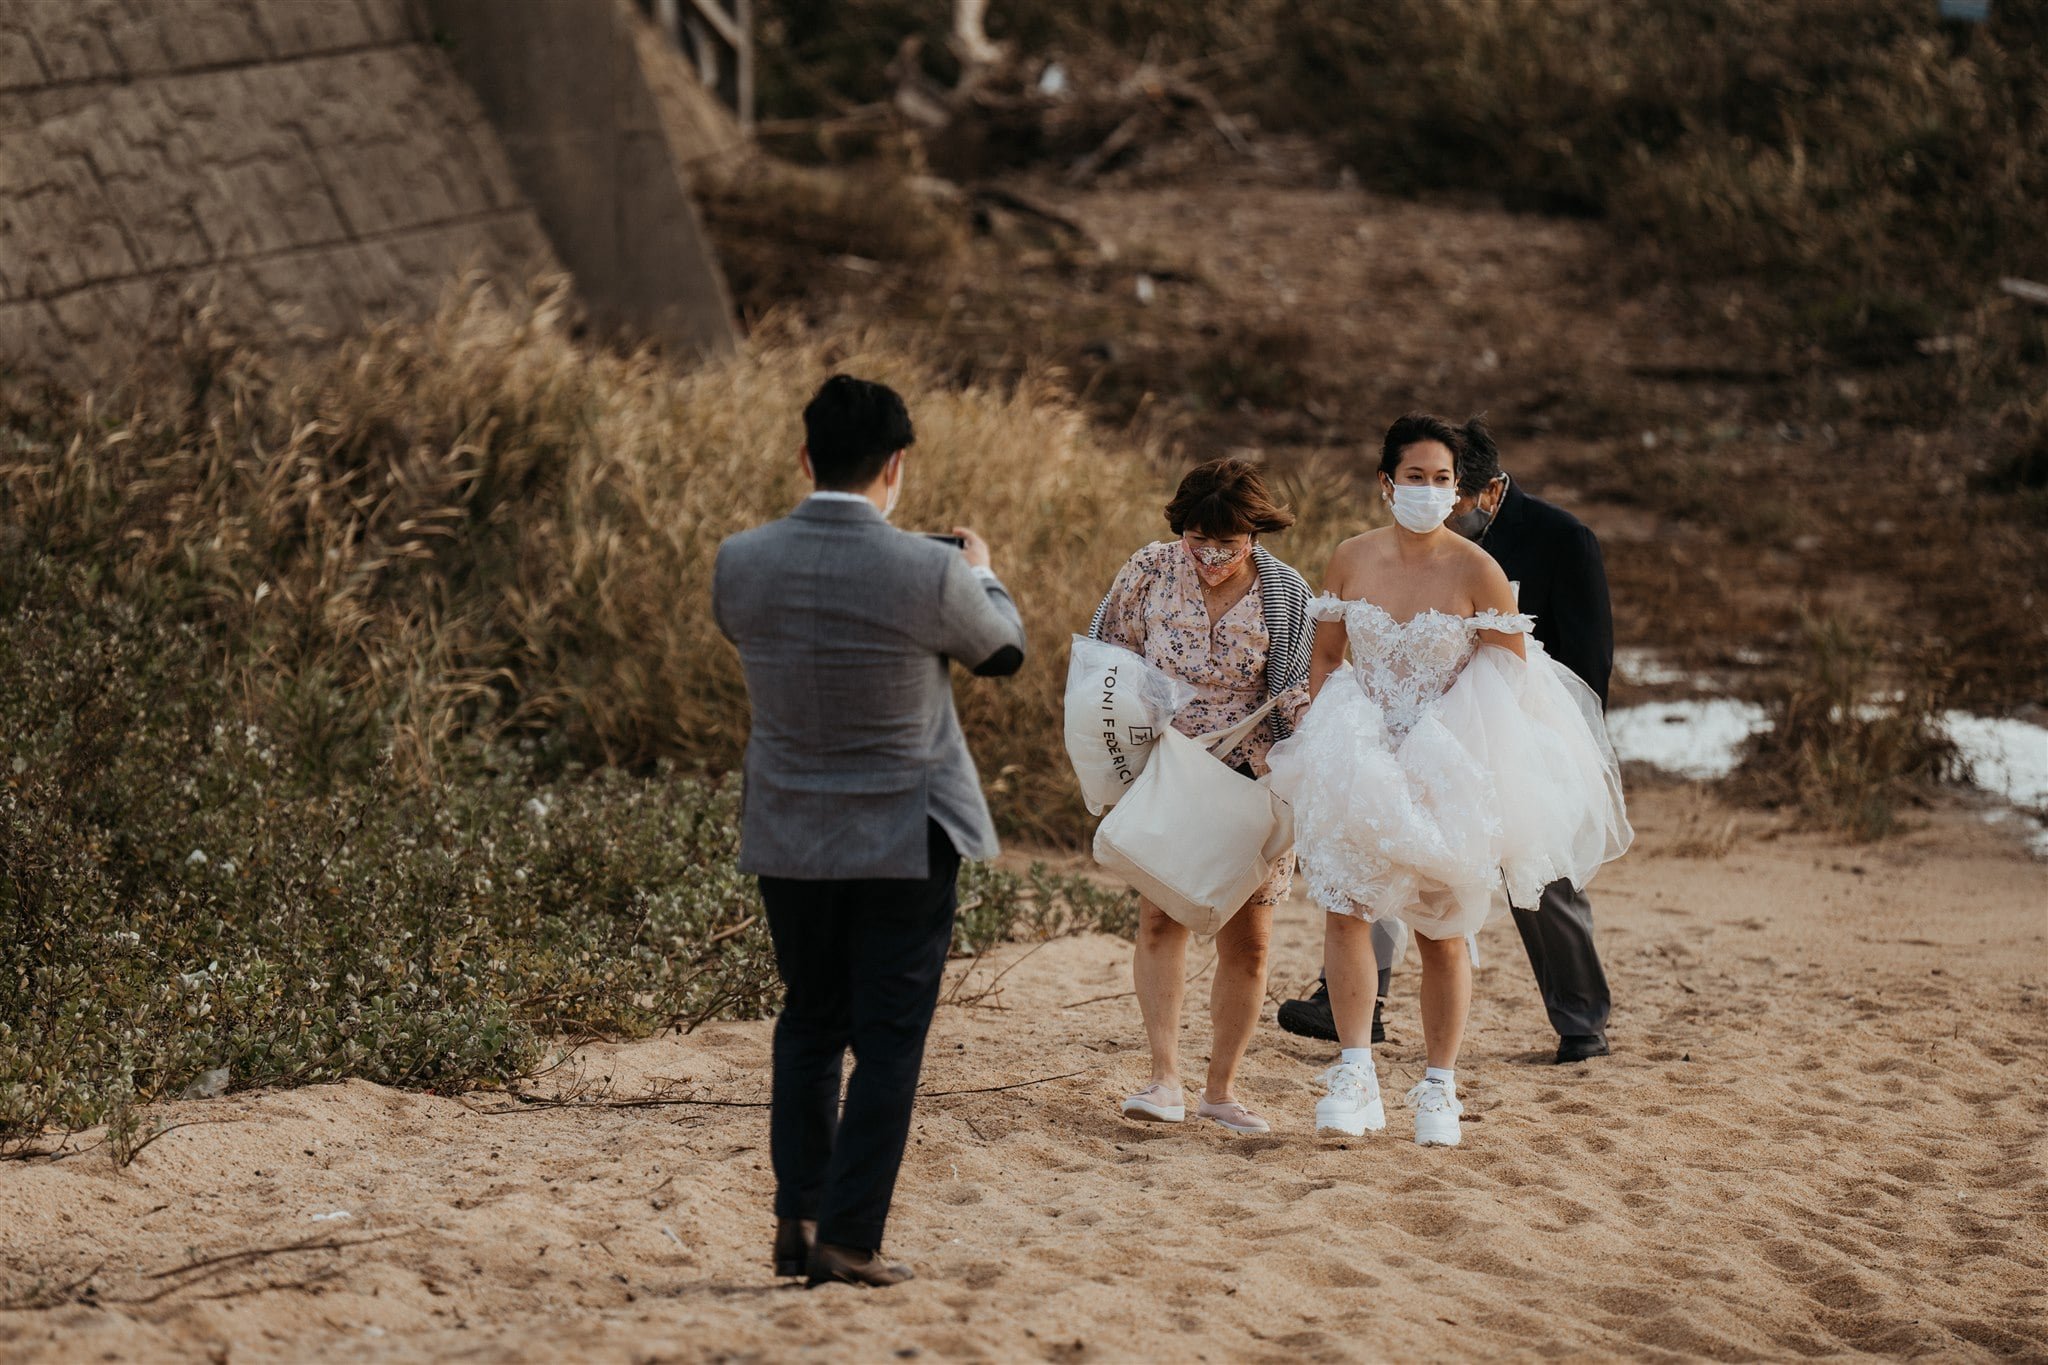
(1436, 781)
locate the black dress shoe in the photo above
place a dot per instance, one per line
(850, 1265)
(1577, 1047)
(1310, 1018)
(793, 1238)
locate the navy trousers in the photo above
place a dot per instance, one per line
(860, 963)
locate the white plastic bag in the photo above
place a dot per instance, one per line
(1117, 707)
(1194, 837)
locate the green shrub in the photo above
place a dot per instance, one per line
(184, 890)
(1873, 173)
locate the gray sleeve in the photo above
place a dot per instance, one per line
(978, 624)
(718, 580)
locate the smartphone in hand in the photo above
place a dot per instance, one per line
(957, 542)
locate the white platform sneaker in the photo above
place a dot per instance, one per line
(1436, 1114)
(1353, 1105)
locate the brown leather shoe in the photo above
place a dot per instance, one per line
(851, 1265)
(793, 1238)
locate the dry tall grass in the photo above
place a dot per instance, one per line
(1845, 752)
(473, 525)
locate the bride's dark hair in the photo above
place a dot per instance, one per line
(1413, 430)
(1473, 453)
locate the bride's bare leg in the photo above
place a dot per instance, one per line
(1159, 972)
(1236, 996)
(1353, 976)
(1446, 997)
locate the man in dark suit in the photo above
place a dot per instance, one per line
(1561, 580)
(861, 799)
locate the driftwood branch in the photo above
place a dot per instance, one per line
(53, 1298)
(1004, 197)
(955, 997)
(2027, 290)
(206, 1267)
(189, 1273)
(528, 1103)
(992, 1089)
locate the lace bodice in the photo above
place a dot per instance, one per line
(1406, 666)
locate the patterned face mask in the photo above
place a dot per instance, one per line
(1214, 563)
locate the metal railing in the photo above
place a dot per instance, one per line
(719, 41)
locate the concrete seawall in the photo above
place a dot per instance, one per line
(308, 167)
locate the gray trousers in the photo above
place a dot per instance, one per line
(1559, 941)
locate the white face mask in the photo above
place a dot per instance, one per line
(1422, 509)
(895, 492)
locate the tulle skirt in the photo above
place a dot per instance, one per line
(1504, 785)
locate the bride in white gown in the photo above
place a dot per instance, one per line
(1452, 768)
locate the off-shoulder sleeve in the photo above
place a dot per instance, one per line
(1507, 623)
(1325, 607)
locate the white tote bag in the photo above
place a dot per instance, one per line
(1194, 837)
(1117, 707)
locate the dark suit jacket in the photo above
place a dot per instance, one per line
(1564, 582)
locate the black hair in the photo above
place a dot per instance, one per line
(1413, 430)
(1478, 459)
(852, 427)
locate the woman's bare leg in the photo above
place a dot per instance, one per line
(1353, 976)
(1237, 995)
(1446, 997)
(1159, 972)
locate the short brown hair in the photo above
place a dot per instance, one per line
(1226, 498)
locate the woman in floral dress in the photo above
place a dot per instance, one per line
(1214, 609)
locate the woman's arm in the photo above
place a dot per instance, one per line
(1328, 656)
(1493, 592)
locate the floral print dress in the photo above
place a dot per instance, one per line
(1155, 609)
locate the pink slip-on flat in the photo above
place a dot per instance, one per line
(1150, 1103)
(1232, 1115)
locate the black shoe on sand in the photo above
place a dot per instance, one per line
(1310, 1018)
(1578, 1047)
(793, 1239)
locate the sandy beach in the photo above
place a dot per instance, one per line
(1823, 1134)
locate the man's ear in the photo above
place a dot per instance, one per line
(803, 462)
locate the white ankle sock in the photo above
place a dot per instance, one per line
(1443, 1075)
(1357, 1056)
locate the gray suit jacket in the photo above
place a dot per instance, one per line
(844, 626)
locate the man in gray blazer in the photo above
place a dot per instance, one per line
(861, 799)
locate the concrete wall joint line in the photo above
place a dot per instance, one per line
(129, 242)
(313, 159)
(208, 69)
(282, 253)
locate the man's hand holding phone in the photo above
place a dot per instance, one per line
(973, 546)
(966, 542)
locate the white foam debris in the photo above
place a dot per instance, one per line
(2031, 828)
(1645, 668)
(2007, 757)
(1696, 739)
(1702, 740)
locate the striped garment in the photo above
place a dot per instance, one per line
(1283, 601)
